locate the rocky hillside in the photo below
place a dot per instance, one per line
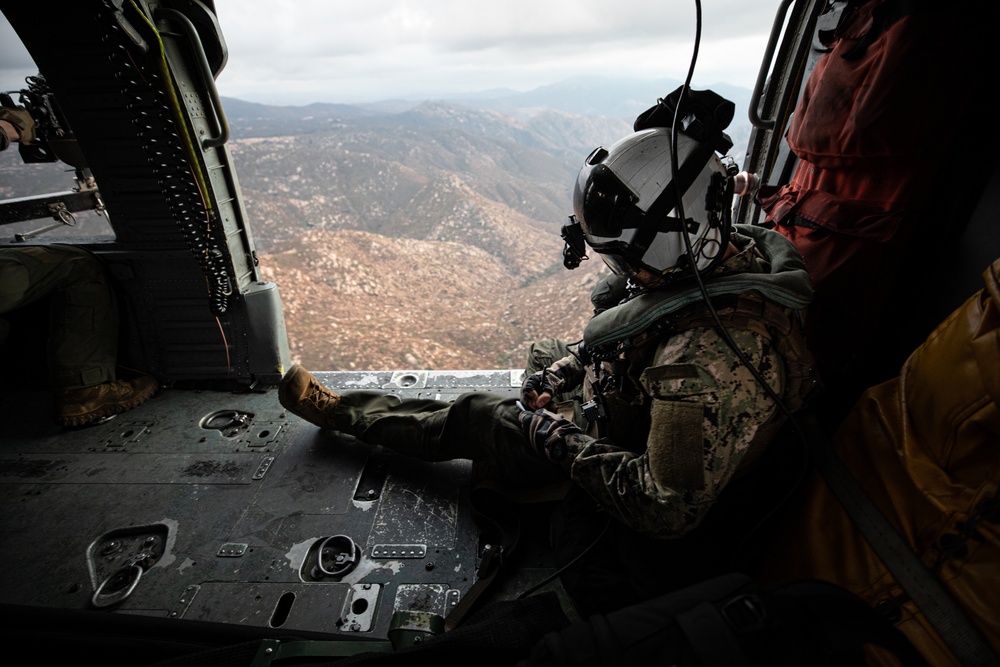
(409, 236)
(426, 239)
(358, 300)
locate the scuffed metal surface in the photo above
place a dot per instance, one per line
(434, 598)
(416, 512)
(67, 487)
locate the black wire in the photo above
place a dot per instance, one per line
(720, 327)
(568, 565)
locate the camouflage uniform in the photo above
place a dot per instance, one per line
(685, 415)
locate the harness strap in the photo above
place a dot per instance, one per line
(492, 508)
(925, 590)
(752, 312)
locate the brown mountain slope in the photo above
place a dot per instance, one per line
(357, 300)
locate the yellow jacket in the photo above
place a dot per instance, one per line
(925, 446)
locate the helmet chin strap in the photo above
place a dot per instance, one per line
(718, 203)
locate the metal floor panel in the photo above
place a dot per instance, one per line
(224, 501)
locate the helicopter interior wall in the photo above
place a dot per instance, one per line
(183, 256)
(167, 328)
(958, 272)
(231, 497)
(958, 240)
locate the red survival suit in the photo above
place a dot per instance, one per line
(875, 132)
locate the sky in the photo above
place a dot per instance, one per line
(303, 51)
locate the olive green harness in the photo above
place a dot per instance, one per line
(769, 304)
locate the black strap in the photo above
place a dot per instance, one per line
(711, 636)
(492, 508)
(948, 618)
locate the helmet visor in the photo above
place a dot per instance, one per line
(604, 205)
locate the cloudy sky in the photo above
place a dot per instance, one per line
(297, 52)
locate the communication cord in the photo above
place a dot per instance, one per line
(720, 327)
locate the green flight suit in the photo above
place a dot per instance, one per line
(685, 416)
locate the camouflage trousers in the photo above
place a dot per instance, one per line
(479, 426)
(83, 321)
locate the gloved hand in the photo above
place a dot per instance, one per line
(537, 390)
(547, 431)
(22, 122)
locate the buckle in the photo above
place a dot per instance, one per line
(744, 613)
(492, 558)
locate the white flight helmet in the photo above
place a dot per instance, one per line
(625, 203)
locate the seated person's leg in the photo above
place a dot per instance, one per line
(83, 334)
(478, 426)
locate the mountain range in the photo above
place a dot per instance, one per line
(418, 234)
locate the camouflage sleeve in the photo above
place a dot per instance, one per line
(568, 373)
(706, 409)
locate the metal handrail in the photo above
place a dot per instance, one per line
(765, 68)
(219, 116)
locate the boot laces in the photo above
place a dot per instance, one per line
(320, 397)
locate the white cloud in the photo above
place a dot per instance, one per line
(301, 51)
(15, 63)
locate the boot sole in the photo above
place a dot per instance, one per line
(107, 410)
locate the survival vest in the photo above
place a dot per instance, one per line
(768, 304)
(878, 116)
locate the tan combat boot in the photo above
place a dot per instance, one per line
(76, 407)
(303, 395)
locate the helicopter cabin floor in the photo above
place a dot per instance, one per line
(220, 506)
